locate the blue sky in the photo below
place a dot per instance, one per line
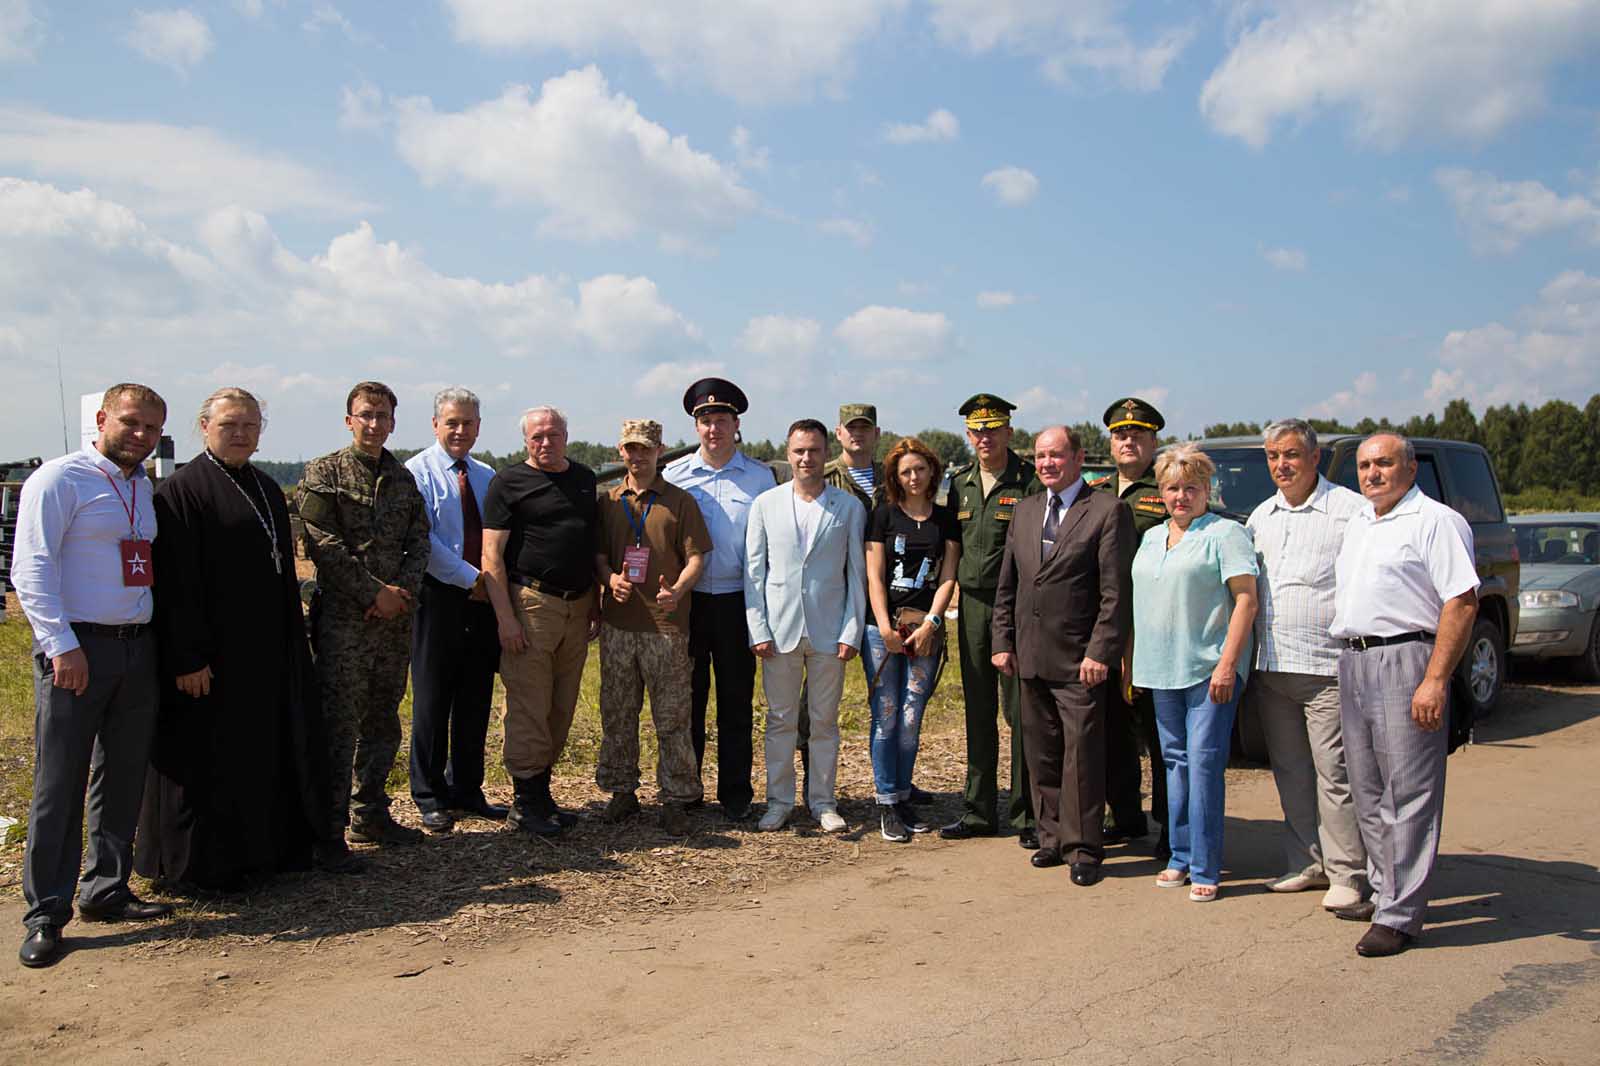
(1240, 210)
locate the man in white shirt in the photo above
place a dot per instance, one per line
(82, 571)
(1297, 535)
(455, 647)
(805, 608)
(1406, 596)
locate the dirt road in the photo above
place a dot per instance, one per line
(940, 953)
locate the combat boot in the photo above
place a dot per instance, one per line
(527, 814)
(547, 803)
(675, 819)
(381, 828)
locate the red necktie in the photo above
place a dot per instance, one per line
(471, 520)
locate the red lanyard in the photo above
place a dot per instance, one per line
(133, 490)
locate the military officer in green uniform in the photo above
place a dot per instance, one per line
(366, 529)
(1130, 715)
(983, 494)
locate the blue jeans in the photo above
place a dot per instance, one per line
(1196, 735)
(898, 688)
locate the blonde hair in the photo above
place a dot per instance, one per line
(1185, 464)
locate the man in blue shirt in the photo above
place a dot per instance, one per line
(83, 573)
(724, 482)
(455, 648)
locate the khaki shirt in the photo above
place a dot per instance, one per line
(1142, 496)
(674, 531)
(837, 474)
(985, 519)
(366, 525)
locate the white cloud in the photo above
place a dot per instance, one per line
(896, 333)
(178, 38)
(746, 154)
(991, 301)
(668, 379)
(854, 230)
(780, 338)
(1551, 350)
(1456, 68)
(940, 125)
(20, 31)
(1499, 215)
(1070, 38)
(1012, 186)
(753, 50)
(361, 108)
(1354, 403)
(327, 17)
(598, 168)
(1285, 258)
(164, 169)
(623, 314)
(250, 9)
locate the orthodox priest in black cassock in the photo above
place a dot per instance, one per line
(237, 788)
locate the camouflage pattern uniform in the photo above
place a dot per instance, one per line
(366, 526)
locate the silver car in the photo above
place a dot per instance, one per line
(1560, 596)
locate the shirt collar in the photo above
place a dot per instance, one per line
(1067, 496)
(736, 463)
(1317, 501)
(1410, 503)
(107, 466)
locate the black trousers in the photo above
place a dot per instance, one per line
(720, 641)
(1126, 725)
(455, 650)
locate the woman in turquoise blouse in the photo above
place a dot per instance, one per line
(1194, 601)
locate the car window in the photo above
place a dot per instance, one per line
(1476, 496)
(1242, 480)
(1427, 475)
(1562, 543)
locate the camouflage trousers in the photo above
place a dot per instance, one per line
(362, 669)
(630, 663)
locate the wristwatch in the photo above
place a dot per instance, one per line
(937, 620)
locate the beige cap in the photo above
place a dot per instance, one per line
(644, 431)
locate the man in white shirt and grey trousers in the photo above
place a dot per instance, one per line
(1405, 600)
(805, 606)
(82, 571)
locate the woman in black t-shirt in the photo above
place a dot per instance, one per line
(913, 545)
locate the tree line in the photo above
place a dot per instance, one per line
(1550, 449)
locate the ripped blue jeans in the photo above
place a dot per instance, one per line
(899, 687)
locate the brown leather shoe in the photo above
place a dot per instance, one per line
(1356, 912)
(1381, 941)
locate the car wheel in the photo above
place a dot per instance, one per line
(1588, 664)
(1483, 668)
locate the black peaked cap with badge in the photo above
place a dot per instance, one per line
(1132, 411)
(709, 395)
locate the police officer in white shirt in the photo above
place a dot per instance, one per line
(82, 571)
(1297, 533)
(1406, 597)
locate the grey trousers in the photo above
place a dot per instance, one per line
(101, 740)
(1300, 717)
(1396, 774)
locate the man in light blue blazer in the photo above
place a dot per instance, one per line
(805, 606)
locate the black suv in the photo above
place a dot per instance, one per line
(1455, 473)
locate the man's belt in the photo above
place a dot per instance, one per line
(1363, 643)
(546, 588)
(131, 631)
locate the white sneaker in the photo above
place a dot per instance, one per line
(831, 822)
(775, 819)
(1340, 896)
(1298, 882)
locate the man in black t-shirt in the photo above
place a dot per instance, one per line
(540, 536)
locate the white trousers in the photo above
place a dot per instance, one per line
(822, 672)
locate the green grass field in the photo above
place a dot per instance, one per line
(16, 721)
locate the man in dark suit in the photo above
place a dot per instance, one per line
(1061, 615)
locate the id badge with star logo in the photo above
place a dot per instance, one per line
(138, 568)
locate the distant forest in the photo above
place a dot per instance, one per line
(1550, 452)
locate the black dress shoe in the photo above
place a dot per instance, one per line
(41, 946)
(1382, 941)
(1116, 834)
(482, 808)
(736, 813)
(132, 909)
(438, 821)
(1357, 912)
(1028, 838)
(1045, 858)
(963, 831)
(1085, 873)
